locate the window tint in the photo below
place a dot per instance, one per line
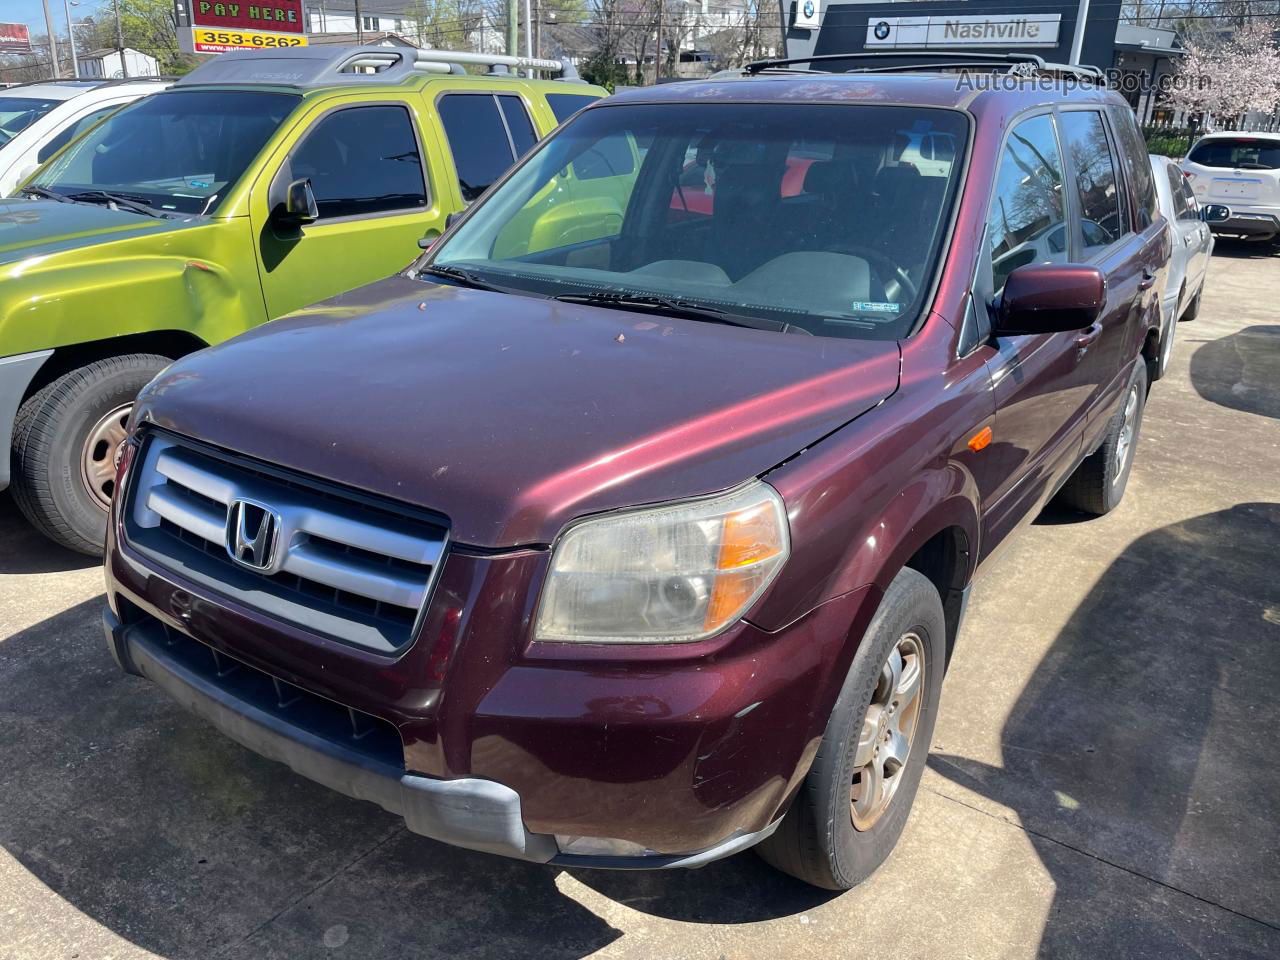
(362, 160)
(478, 138)
(1085, 136)
(1247, 153)
(1026, 217)
(523, 136)
(65, 135)
(565, 105)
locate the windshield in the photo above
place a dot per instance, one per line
(176, 152)
(825, 218)
(18, 113)
(1248, 153)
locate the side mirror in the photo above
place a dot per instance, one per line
(451, 219)
(1050, 298)
(1215, 213)
(299, 204)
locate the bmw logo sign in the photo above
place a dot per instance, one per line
(882, 30)
(808, 9)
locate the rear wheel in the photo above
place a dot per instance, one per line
(1193, 308)
(1098, 484)
(852, 806)
(66, 444)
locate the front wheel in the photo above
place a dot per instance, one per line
(66, 444)
(853, 803)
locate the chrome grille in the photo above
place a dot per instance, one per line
(340, 565)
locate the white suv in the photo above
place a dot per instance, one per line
(1241, 170)
(39, 119)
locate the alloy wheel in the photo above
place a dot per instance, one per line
(888, 731)
(101, 455)
(1124, 445)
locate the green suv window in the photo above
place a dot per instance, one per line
(361, 161)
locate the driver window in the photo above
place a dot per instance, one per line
(1027, 222)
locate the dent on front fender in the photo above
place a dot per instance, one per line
(201, 280)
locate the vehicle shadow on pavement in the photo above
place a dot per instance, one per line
(1241, 371)
(1146, 739)
(23, 550)
(1229, 248)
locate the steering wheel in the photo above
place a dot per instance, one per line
(883, 265)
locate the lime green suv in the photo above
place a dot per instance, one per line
(260, 183)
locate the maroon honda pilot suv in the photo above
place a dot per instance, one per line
(632, 526)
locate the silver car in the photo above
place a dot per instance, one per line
(1192, 247)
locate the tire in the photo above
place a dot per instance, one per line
(817, 841)
(1164, 356)
(50, 481)
(1098, 484)
(1193, 308)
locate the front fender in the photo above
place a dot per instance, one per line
(201, 280)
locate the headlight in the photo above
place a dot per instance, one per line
(669, 574)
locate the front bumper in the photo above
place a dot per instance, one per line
(16, 374)
(689, 755)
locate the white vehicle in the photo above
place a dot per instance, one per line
(39, 119)
(1241, 170)
(1189, 260)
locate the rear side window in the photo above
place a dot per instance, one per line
(1245, 153)
(565, 105)
(1190, 207)
(486, 134)
(1084, 136)
(362, 160)
(1027, 220)
(1133, 149)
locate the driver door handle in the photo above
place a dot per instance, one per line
(1148, 279)
(1086, 338)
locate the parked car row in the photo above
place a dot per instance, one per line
(632, 524)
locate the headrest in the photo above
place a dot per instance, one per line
(830, 176)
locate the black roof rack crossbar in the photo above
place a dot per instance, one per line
(950, 61)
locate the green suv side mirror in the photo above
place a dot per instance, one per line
(1215, 213)
(299, 204)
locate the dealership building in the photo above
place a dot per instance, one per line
(1134, 57)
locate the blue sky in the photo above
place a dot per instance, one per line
(31, 12)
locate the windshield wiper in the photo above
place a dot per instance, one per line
(672, 307)
(45, 194)
(102, 196)
(461, 277)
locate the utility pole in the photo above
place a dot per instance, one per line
(1077, 41)
(513, 28)
(124, 64)
(359, 25)
(71, 39)
(657, 56)
(53, 43)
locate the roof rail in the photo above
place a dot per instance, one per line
(321, 66)
(1027, 64)
(95, 82)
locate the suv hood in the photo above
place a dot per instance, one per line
(33, 228)
(513, 415)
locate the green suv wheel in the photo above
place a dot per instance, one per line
(66, 444)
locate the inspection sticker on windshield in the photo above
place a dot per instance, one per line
(874, 306)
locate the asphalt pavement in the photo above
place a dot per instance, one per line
(1104, 781)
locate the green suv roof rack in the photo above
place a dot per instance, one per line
(323, 66)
